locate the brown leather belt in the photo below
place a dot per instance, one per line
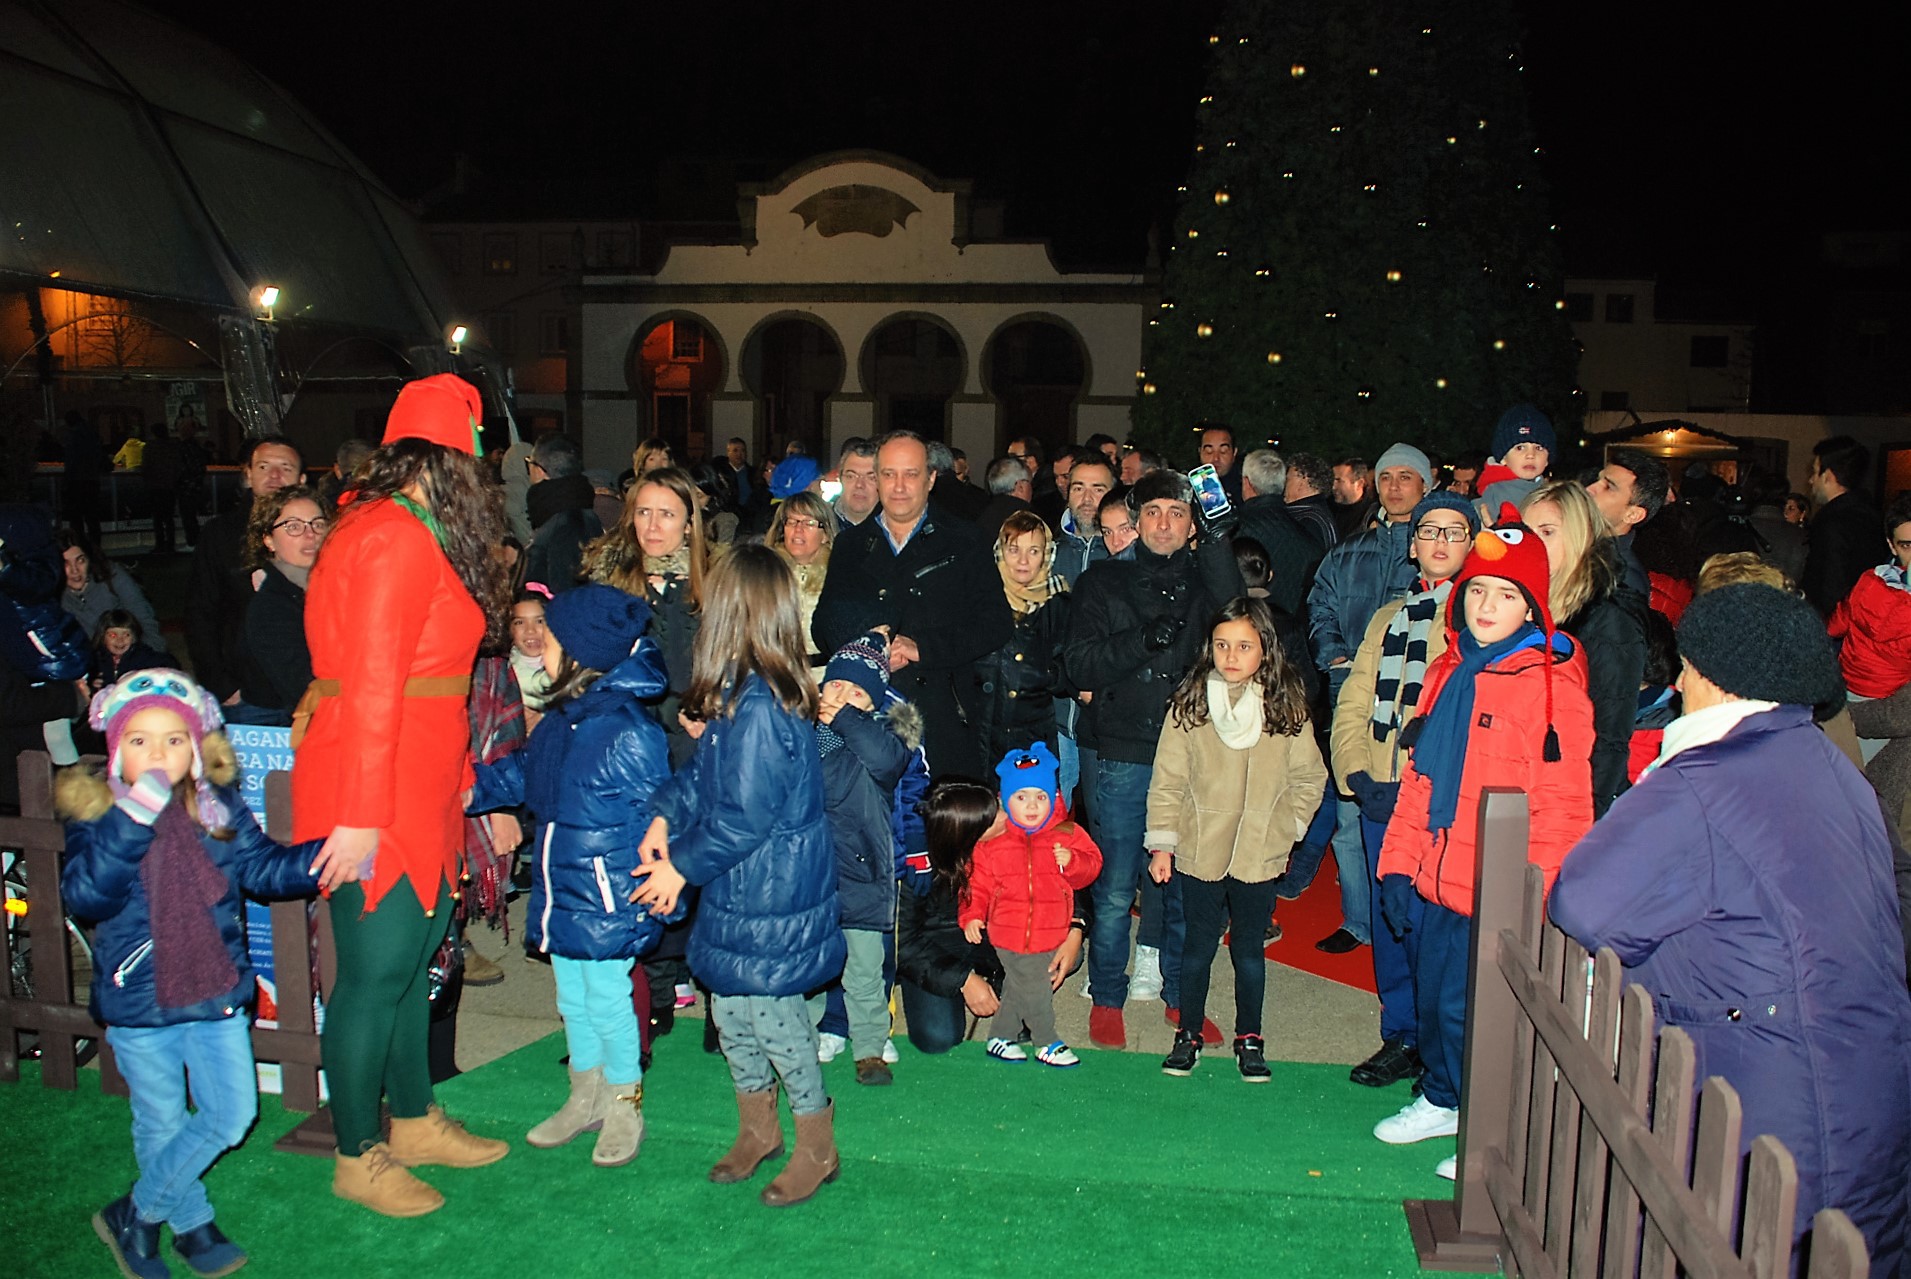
(419, 686)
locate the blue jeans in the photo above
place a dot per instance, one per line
(173, 1145)
(1393, 959)
(936, 1022)
(1441, 956)
(1069, 755)
(600, 1025)
(1121, 800)
(1350, 861)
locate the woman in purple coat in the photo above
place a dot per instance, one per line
(1746, 882)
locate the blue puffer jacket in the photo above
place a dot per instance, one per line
(747, 826)
(859, 789)
(102, 884)
(1355, 579)
(37, 637)
(587, 774)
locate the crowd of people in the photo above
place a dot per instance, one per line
(789, 737)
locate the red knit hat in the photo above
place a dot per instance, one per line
(443, 408)
(1512, 551)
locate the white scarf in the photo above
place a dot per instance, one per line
(1239, 724)
(1702, 728)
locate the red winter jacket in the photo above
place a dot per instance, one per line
(1505, 748)
(1016, 888)
(1874, 621)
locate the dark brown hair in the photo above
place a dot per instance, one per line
(956, 813)
(265, 513)
(468, 507)
(1283, 696)
(617, 559)
(752, 625)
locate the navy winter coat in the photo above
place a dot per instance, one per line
(101, 883)
(1747, 885)
(859, 788)
(1357, 577)
(587, 774)
(38, 638)
(747, 826)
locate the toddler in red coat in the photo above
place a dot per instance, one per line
(1021, 889)
(1874, 622)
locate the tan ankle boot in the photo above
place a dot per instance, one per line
(814, 1162)
(759, 1137)
(436, 1138)
(378, 1182)
(623, 1130)
(582, 1113)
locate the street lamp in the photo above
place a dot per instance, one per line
(268, 298)
(458, 334)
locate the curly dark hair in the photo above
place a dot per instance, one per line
(1283, 695)
(265, 513)
(468, 506)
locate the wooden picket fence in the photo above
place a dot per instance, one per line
(58, 1015)
(1578, 1156)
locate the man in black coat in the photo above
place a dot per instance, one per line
(1293, 552)
(931, 578)
(562, 504)
(221, 584)
(1847, 531)
(1009, 491)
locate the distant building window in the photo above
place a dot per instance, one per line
(1579, 306)
(448, 245)
(501, 253)
(502, 328)
(1711, 352)
(686, 340)
(554, 333)
(1619, 308)
(613, 250)
(554, 253)
(1614, 400)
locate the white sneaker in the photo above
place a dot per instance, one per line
(1146, 983)
(829, 1047)
(1006, 1050)
(889, 1053)
(1418, 1122)
(1448, 1167)
(1086, 992)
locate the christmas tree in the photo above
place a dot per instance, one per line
(1363, 250)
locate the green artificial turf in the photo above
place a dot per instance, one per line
(965, 1165)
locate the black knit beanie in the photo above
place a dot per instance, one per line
(1761, 643)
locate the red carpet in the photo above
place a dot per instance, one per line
(1311, 917)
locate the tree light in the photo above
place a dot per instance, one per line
(1297, 70)
(1440, 382)
(1204, 330)
(1273, 357)
(1393, 277)
(1499, 344)
(1148, 388)
(1221, 198)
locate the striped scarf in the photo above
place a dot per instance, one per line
(1403, 657)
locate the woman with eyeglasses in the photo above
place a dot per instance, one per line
(801, 535)
(282, 543)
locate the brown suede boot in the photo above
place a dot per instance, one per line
(436, 1138)
(378, 1182)
(759, 1137)
(814, 1162)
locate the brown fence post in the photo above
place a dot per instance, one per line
(298, 938)
(1464, 1233)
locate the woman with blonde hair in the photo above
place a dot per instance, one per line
(802, 534)
(653, 454)
(1591, 602)
(1015, 686)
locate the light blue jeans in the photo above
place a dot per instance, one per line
(600, 1023)
(172, 1144)
(771, 1037)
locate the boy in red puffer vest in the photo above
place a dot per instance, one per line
(1022, 890)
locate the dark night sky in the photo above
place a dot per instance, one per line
(1693, 141)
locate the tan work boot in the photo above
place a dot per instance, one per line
(436, 1138)
(479, 971)
(814, 1162)
(582, 1113)
(623, 1130)
(759, 1137)
(378, 1182)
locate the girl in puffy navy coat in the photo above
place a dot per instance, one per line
(157, 855)
(744, 819)
(587, 774)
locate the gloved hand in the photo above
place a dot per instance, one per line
(1396, 904)
(147, 798)
(1162, 633)
(1376, 799)
(1216, 528)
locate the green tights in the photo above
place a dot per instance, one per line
(377, 1016)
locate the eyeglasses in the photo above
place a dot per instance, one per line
(1443, 533)
(299, 528)
(797, 523)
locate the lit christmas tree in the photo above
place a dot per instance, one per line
(1363, 250)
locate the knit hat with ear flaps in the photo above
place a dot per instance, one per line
(163, 689)
(1761, 643)
(443, 409)
(597, 625)
(1512, 551)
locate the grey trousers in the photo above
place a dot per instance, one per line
(865, 996)
(765, 1038)
(1026, 998)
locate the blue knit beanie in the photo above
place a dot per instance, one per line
(1033, 769)
(1448, 501)
(596, 624)
(1523, 424)
(864, 662)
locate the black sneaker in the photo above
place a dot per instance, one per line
(1396, 1060)
(1184, 1056)
(1250, 1054)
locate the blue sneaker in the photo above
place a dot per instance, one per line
(135, 1243)
(208, 1251)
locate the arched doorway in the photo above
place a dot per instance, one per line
(1035, 369)
(676, 366)
(911, 367)
(792, 364)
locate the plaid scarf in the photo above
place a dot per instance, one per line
(1403, 657)
(497, 729)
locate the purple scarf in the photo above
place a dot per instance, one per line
(183, 888)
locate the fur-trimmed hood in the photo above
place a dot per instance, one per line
(904, 720)
(83, 794)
